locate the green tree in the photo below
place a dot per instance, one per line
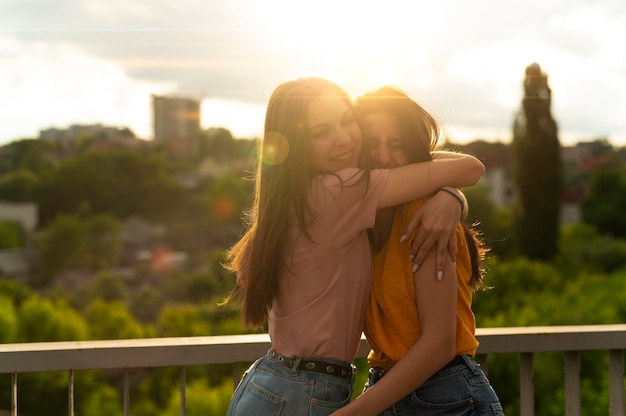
(41, 320)
(202, 399)
(536, 170)
(111, 320)
(515, 284)
(228, 196)
(482, 209)
(146, 304)
(183, 320)
(108, 287)
(79, 241)
(59, 245)
(101, 241)
(17, 292)
(583, 249)
(493, 224)
(195, 287)
(103, 400)
(602, 205)
(11, 235)
(8, 320)
(20, 185)
(118, 182)
(30, 154)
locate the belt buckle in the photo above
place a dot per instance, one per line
(376, 374)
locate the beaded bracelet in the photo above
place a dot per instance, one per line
(464, 207)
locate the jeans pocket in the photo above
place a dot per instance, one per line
(330, 394)
(258, 401)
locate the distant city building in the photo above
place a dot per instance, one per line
(176, 121)
(78, 131)
(25, 213)
(18, 263)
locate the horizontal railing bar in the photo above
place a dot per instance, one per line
(131, 353)
(185, 351)
(551, 338)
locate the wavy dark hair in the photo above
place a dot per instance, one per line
(421, 133)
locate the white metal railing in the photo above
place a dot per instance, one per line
(235, 349)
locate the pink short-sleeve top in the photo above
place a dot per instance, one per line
(320, 309)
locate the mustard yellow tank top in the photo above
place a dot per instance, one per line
(392, 323)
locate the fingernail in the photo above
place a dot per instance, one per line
(411, 257)
(439, 275)
(415, 267)
(403, 238)
(454, 264)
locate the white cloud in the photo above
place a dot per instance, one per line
(56, 85)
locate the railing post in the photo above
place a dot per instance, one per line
(481, 359)
(527, 384)
(14, 394)
(616, 382)
(126, 392)
(572, 383)
(183, 388)
(70, 392)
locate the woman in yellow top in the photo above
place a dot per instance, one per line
(420, 329)
(304, 263)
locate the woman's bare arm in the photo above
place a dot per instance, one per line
(436, 302)
(407, 183)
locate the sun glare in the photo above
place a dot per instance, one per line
(242, 119)
(358, 44)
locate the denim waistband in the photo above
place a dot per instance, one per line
(316, 365)
(376, 373)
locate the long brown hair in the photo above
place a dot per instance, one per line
(283, 177)
(421, 133)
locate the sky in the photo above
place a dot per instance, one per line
(66, 62)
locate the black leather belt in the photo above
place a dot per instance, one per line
(376, 373)
(316, 366)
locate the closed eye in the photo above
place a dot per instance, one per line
(319, 133)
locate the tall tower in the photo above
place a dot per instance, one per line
(176, 121)
(537, 169)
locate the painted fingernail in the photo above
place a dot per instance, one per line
(411, 257)
(403, 238)
(439, 275)
(415, 267)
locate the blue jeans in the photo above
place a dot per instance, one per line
(268, 388)
(456, 390)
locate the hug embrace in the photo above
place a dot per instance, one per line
(356, 226)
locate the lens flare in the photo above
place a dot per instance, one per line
(275, 148)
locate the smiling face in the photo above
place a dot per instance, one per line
(335, 135)
(384, 140)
